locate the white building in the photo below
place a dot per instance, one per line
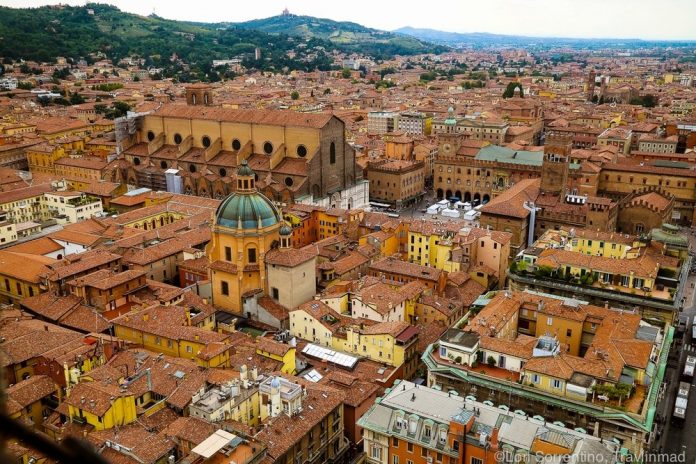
(72, 206)
(382, 122)
(8, 83)
(413, 123)
(356, 196)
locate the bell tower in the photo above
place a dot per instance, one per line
(589, 92)
(554, 168)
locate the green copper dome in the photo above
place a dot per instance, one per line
(247, 211)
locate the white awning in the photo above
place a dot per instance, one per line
(213, 443)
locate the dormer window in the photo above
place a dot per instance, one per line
(412, 425)
(400, 423)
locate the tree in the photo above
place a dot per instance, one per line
(295, 95)
(76, 99)
(514, 267)
(510, 90)
(427, 77)
(117, 109)
(647, 101)
(346, 73)
(136, 79)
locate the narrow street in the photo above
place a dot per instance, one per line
(672, 438)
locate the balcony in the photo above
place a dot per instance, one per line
(660, 299)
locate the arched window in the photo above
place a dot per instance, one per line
(163, 164)
(223, 172)
(289, 181)
(236, 144)
(177, 139)
(193, 98)
(332, 153)
(205, 141)
(192, 168)
(268, 148)
(205, 98)
(136, 161)
(150, 136)
(301, 151)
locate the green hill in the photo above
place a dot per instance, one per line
(347, 36)
(44, 33)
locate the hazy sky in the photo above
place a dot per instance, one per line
(646, 19)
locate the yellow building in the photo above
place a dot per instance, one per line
(160, 329)
(59, 128)
(246, 226)
(20, 275)
(154, 219)
(391, 343)
(41, 158)
(79, 172)
(100, 405)
(277, 351)
(612, 263)
(17, 129)
(26, 399)
(26, 204)
(8, 231)
(328, 223)
(452, 247)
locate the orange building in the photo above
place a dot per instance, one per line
(413, 424)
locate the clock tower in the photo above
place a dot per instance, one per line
(450, 140)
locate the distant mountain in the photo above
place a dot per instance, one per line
(482, 39)
(344, 35)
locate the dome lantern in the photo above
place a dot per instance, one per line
(285, 236)
(246, 178)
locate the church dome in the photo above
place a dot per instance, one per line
(247, 211)
(247, 208)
